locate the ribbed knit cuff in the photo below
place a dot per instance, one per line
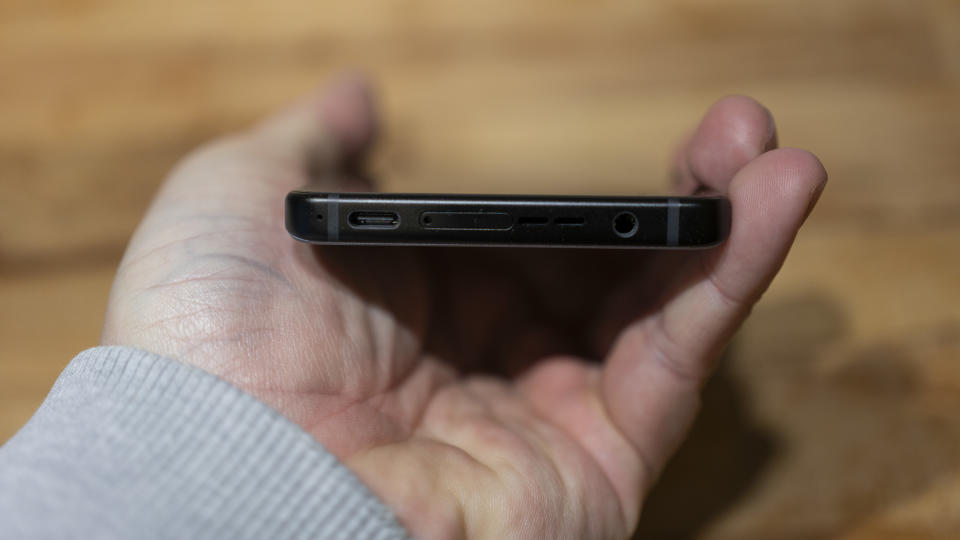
(131, 444)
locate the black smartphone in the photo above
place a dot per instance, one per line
(507, 220)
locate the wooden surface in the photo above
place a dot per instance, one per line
(837, 412)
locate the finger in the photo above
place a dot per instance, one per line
(735, 130)
(237, 183)
(681, 179)
(316, 136)
(323, 134)
(245, 175)
(654, 372)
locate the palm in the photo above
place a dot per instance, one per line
(454, 382)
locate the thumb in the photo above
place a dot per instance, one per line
(223, 204)
(243, 178)
(324, 133)
(246, 174)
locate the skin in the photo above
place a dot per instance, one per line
(480, 393)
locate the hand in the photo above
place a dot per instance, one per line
(458, 384)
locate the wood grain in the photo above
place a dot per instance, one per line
(835, 414)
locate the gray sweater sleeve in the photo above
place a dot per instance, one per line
(129, 444)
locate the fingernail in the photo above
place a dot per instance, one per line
(814, 197)
(771, 141)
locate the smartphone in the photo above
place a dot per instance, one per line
(407, 219)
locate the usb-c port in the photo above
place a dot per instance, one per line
(374, 220)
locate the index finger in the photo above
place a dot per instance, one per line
(734, 130)
(653, 374)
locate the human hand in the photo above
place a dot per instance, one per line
(458, 383)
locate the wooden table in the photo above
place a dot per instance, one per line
(837, 412)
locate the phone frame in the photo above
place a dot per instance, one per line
(507, 220)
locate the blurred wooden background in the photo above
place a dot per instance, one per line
(837, 414)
